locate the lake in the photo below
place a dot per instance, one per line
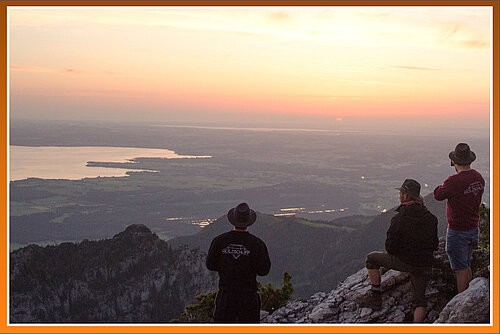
(57, 162)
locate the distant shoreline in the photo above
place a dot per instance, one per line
(78, 162)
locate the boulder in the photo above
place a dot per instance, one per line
(470, 306)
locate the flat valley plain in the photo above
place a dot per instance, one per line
(318, 175)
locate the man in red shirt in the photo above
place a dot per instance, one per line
(463, 192)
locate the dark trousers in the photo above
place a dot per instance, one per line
(419, 275)
(237, 307)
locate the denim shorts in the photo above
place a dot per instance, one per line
(459, 247)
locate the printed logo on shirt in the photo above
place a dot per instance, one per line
(236, 250)
(475, 188)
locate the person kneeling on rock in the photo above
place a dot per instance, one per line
(411, 240)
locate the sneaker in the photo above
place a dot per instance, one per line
(372, 300)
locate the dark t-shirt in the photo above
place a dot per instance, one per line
(463, 192)
(238, 257)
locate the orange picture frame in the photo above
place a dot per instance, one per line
(493, 327)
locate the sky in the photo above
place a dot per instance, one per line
(327, 66)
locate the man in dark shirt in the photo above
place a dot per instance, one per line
(463, 192)
(238, 257)
(411, 241)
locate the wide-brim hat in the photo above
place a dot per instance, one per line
(411, 188)
(241, 216)
(462, 154)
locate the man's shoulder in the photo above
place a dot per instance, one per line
(402, 211)
(412, 211)
(454, 178)
(255, 238)
(477, 175)
(467, 176)
(222, 236)
(429, 216)
(399, 213)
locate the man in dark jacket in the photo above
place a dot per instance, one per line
(411, 240)
(238, 257)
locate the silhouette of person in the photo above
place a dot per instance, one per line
(238, 257)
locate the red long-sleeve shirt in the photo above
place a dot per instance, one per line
(463, 192)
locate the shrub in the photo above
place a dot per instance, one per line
(484, 228)
(201, 311)
(273, 299)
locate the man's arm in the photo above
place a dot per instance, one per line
(213, 258)
(392, 241)
(263, 261)
(444, 191)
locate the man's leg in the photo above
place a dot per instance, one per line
(249, 308)
(464, 277)
(225, 308)
(375, 277)
(419, 314)
(459, 246)
(419, 283)
(374, 261)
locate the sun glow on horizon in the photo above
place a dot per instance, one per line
(166, 62)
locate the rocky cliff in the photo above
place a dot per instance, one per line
(133, 277)
(443, 305)
(137, 278)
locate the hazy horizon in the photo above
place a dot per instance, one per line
(348, 127)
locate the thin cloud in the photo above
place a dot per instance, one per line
(475, 102)
(251, 34)
(280, 17)
(339, 97)
(349, 69)
(474, 44)
(368, 83)
(73, 71)
(88, 93)
(84, 72)
(465, 39)
(453, 31)
(415, 68)
(375, 16)
(34, 69)
(38, 69)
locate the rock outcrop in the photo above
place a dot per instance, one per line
(340, 305)
(470, 306)
(133, 277)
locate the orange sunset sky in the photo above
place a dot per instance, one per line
(334, 66)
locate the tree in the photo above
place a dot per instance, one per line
(201, 311)
(273, 299)
(484, 227)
